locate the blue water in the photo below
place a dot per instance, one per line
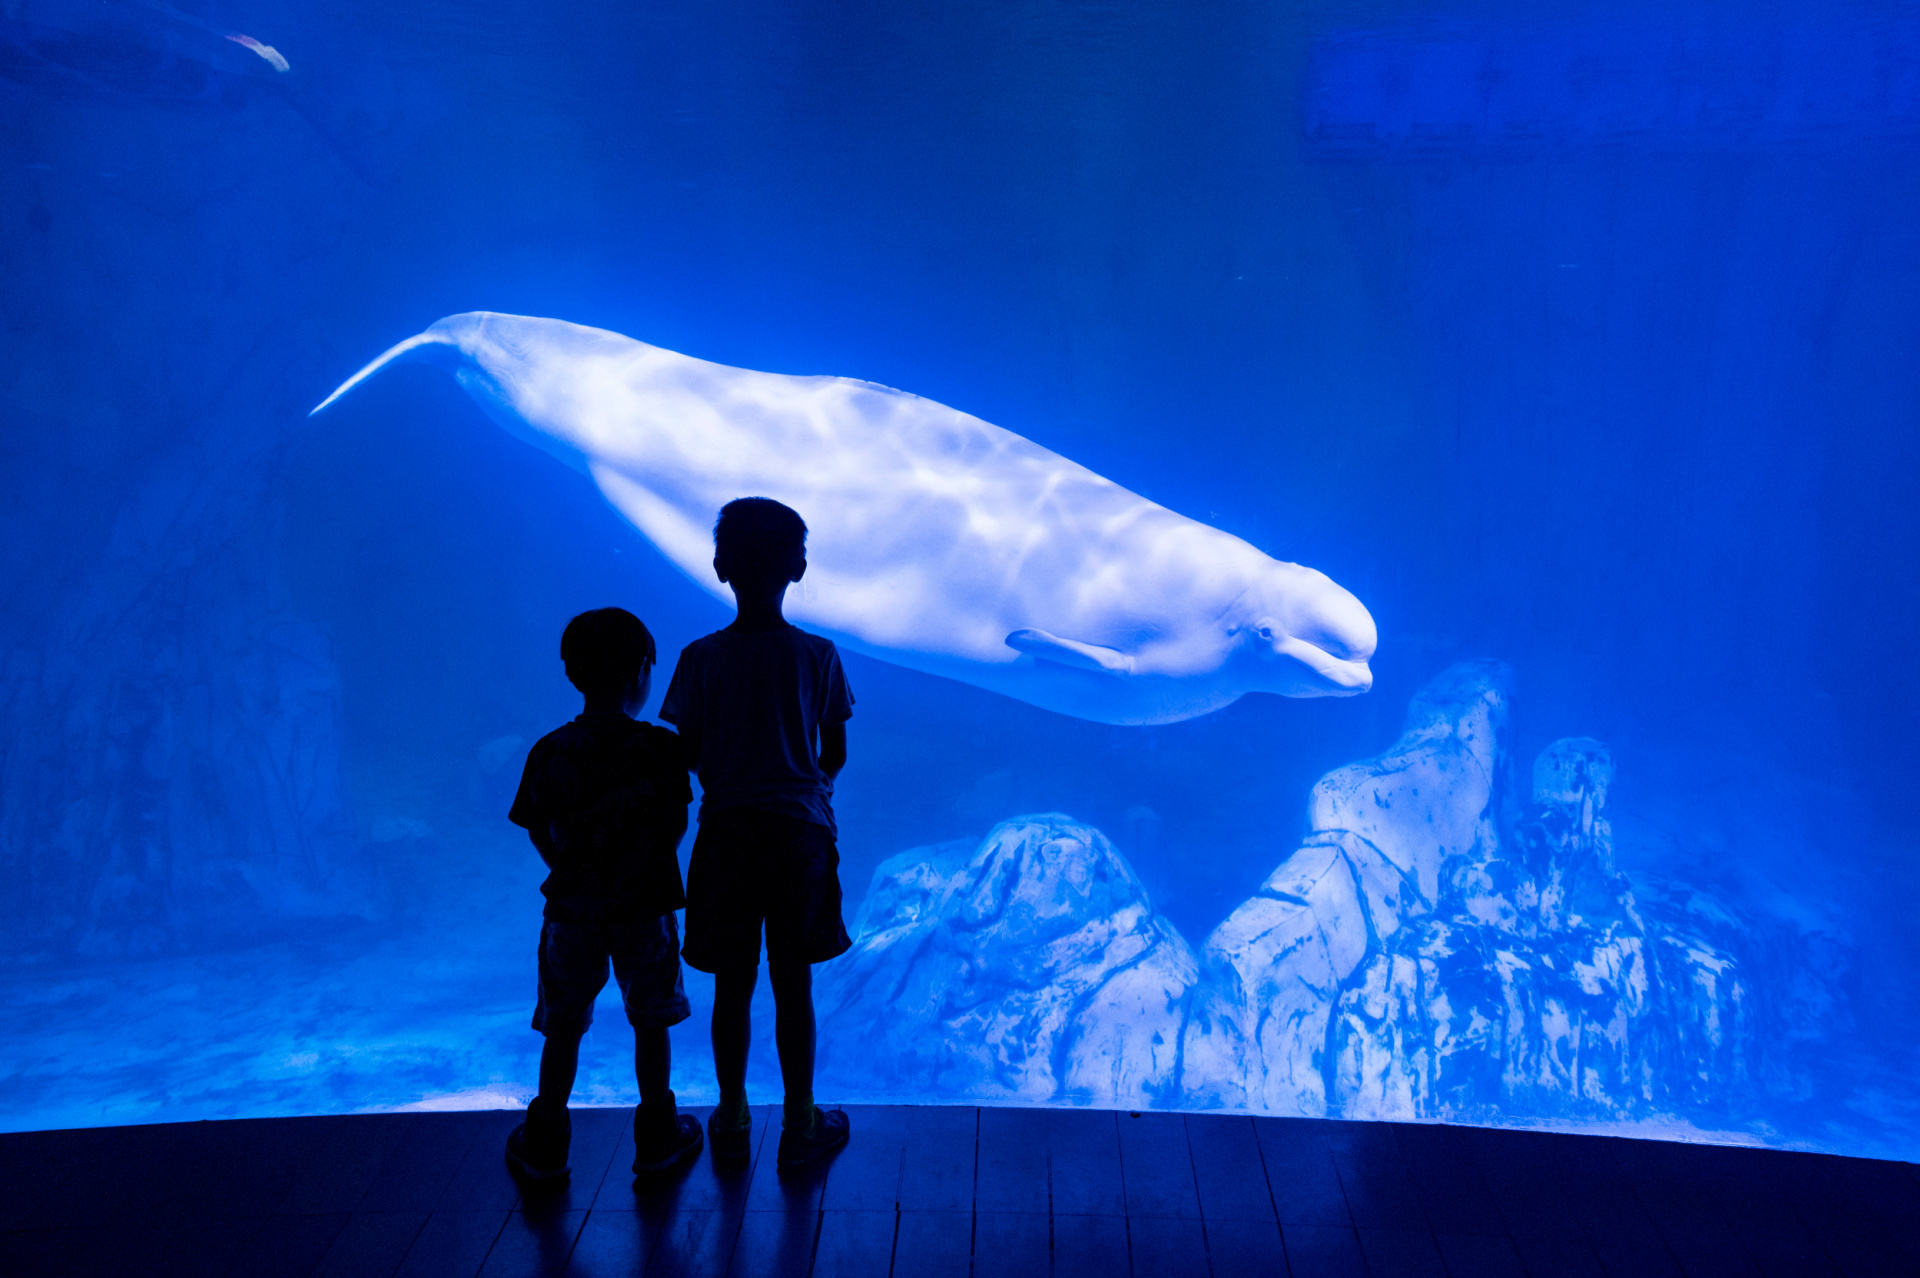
(1578, 342)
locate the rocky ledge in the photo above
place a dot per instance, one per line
(1432, 949)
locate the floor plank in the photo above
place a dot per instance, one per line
(1300, 1173)
(938, 1167)
(1167, 1247)
(130, 1164)
(40, 1251)
(865, 1176)
(421, 1166)
(1156, 1166)
(1518, 1170)
(933, 1244)
(283, 1247)
(599, 1134)
(1547, 1257)
(1636, 1260)
(1227, 1169)
(1401, 1253)
(180, 1247)
(453, 1244)
(1323, 1251)
(1013, 1154)
(1479, 1254)
(1083, 1161)
(1089, 1247)
(855, 1244)
(1379, 1191)
(534, 1242)
(346, 1161)
(775, 1244)
(1452, 1194)
(1238, 1248)
(614, 1242)
(371, 1244)
(1011, 1244)
(695, 1242)
(482, 1180)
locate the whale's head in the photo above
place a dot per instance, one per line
(515, 366)
(1304, 635)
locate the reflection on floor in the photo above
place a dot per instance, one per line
(927, 1191)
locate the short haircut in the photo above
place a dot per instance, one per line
(759, 535)
(605, 650)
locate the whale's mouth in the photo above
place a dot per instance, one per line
(1312, 671)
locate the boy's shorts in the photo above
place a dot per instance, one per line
(573, 971)
(751, 868)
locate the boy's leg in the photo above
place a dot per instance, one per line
(646, 963)
(804, 928)
(653, 1064)
(793, 1033)
(559, 1063)
(663, 1138)
(573, 968)
(730, 1126)
(732, 1029)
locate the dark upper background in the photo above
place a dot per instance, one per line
(1584, 343)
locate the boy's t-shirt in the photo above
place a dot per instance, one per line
(605, 800)
(755, 700)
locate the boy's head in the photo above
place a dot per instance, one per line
(607, 652)
(758, 543)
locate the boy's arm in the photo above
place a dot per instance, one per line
(677, 708)
(836, 707)
(526, 812)
(833, 748)
(543, 844)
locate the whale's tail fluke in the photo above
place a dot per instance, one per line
(421, 346)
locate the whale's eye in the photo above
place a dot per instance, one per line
(1266, 634)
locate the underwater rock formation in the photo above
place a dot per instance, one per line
(1431, 950)
(1538, 987)
(1380, 835)
(1031, 967)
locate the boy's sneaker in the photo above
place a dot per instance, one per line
(800, 1150)
(664, 1138)
(731, 1135)
(537, 1148)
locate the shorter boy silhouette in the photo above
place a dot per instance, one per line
(762, 710)
(604, 799)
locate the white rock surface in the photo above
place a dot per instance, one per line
(1380, 833)
(1430, 950)
(1538, 987)
(1030, 968)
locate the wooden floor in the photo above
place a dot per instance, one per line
(927, 1192)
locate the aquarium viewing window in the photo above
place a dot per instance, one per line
(1372, 546)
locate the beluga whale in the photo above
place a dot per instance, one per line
(937, 541)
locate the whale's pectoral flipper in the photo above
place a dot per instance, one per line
(1070, 652)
